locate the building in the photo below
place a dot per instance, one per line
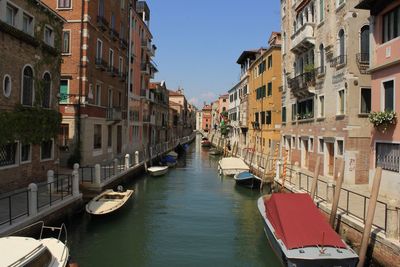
(264, 98)
(234, 113)
(245, 60)
(177, 101)
(172, 123)
(384, 66)
(159, 112)
(93, 84)
(30, 52)
(206, 116)
(219, 111)
(324, 84)
(141, 70)
(199, 120)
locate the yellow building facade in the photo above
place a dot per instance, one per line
(264, 109)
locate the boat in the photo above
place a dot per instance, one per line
(230, 166)
(180, 150)
(173, 154)
(157, 170)
(108, 201)
(18, 251)
(247, 179)
(300, 235)
(205, 142)
(215, 151)
(169, 161)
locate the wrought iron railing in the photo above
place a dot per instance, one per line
(13, 206)
(338, 61)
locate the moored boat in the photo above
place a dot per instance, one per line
(108, 201)
(205, 142)
(247, 179)
(300, 235)
(230, 166)
(21, 251)
(173, 154)
(169, 161)
(215, 151)
(157, 170)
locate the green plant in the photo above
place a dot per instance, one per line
(382, 119)
(309, 68)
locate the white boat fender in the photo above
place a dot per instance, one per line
(120, 188)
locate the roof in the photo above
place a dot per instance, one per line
(299, 223)
(376, 6)
(247, 54)
(174, 93)
(224, 96)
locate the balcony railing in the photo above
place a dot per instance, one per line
(303, 38)
(101, 63)
(338, 61)
(320, 70)
(114, 114)
(363, 62)
(145, 68)
(123, 43)
(102, 23)
(112, 71)
(114, 34)
(300, 83)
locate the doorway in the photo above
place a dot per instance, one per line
(330, 156)
(304, 153)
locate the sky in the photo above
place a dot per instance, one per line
(198, 42)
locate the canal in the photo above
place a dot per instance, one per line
(189, 217)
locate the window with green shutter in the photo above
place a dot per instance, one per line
(64, 91)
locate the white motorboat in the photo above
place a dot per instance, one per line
(231, 166)
(173, 154)
(108, 201)
(18, 251)
(157, 170)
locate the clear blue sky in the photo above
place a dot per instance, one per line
(198, 42)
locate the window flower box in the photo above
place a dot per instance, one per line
(382, 119)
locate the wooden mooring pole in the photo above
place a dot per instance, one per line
(315, 178)
(338, 188)
(370, 216)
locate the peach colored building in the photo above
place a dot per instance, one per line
(385, 74)
(206, 123)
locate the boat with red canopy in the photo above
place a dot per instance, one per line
(299, 233)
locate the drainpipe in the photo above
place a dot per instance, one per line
(128, 117)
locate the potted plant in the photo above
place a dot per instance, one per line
(382, 119)
(309, 72)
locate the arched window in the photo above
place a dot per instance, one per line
(364, 41)
(321, 58)
(27, 86)
(7, 85)
(341, 43)
(46, 90)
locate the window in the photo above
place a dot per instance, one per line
(341, 46)
(109, 135)
(321, 59)
(341, 103)
(388, 88)
(320, 145)
(122, 4)
(364, 42)
(339, 3)
(7, 85)
(27, 24)
(321, 10)
(268, 117)
(391, 24)
(121, 65)
(365, 100)
(8, 154)
(261, 68)
(111, 58)
(64, 135)
(46, 90)
(256, 117)
(66, 45)
(48, 36)
(294, 112)
(339, 147)
(64, 91)
(112, 21)
(311, 144)
(99, 50)
(97, 136)
(25, 153)
(283, 114)
(11, 13)
(64, 3)
(269, 61)
(262, 114)
(27, 86)
(101, 8)
(269, 93)
(321, 106)
(294, 142)
(46, 150)
(305, 109)
(98, 95)
(235, 96)
(388, 156)
(110, 98)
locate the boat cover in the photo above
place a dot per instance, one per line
(299, 223)
(244, 175)
(232, 163)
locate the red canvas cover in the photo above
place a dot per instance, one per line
(299, 223)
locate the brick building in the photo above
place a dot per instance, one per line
(93, 84)
(324, 86)
(142, 70)
(30, 34)
(206, 117)
(159, 112)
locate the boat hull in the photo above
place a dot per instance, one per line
(309, 257)
(250, 182)
(158, 172)
(108, 202)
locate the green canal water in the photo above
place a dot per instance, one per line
(189, 217)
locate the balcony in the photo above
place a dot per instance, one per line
(114, 114)
(114, 35)
(100, 64)
(152, 50)
(153, 70)
(339, 61)
(144, 43)
(145, 68)
(320, 71)
(363, 62)
(112, 71)
(102, 23)
(302, 85)
(303, 39)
